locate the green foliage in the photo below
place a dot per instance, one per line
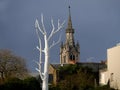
(54, 88)
(74, 77)
(30, 83)
(82, 88)
(12, 84)
(105, 87)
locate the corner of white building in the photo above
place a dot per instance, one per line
(111, 74)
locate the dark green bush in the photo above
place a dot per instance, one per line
(17, 84)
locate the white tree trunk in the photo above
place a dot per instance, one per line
(44, 76)
(46, 64)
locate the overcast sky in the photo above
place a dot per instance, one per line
(96, 24)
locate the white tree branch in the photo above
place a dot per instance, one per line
(40, 46)
(37, 26)
(40, 49)
(40, 72)
(59, 26)
(37, 62)
(43, 26)
(55, 43)
(55, 31)
(40, 56)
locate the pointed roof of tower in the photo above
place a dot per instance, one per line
(69, 27)
(69, 19)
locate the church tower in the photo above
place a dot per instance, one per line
(69, 51)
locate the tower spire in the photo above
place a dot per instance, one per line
(69, 27)
(69, 51)
(69, 19)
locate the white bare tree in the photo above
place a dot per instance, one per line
(46, 49)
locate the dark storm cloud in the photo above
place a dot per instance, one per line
(96, 24)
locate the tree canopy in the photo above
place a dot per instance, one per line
(11, 65)
(75, 77)
(30, 83)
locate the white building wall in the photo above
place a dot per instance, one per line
(113, 57)
(104, 77)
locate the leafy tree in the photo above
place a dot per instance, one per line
(12, 84)
(30, 83)
(74, 77)
(11, 65)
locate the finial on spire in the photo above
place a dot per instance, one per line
(69, 12)
(69, 6)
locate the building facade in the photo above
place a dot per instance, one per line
(112, 74)
(69, 51)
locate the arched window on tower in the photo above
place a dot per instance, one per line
(72, 56)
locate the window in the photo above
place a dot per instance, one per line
(50, 78)
(72, 57)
